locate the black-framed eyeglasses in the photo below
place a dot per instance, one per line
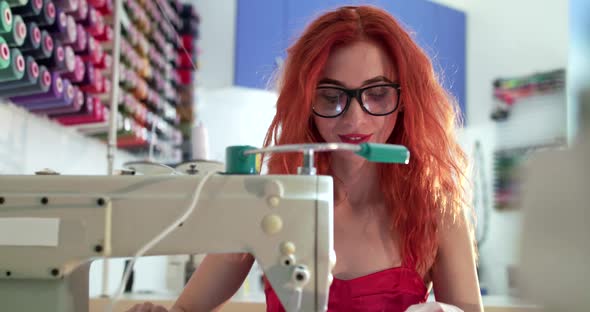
(376, 100)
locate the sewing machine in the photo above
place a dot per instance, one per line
(52, 226)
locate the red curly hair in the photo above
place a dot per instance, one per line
(424, 192)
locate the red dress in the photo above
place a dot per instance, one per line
(390, 290)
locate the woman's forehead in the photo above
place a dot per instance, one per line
(354, 63)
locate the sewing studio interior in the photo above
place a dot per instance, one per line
(294, 155)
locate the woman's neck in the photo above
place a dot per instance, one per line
(356, 182)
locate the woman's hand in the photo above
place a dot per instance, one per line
(433, 307)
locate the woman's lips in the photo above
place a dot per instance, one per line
(354, 138)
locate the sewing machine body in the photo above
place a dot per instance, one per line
(235, 213)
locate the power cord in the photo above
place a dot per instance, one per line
(174, 225)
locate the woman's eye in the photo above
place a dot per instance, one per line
(377, 92)
(331, 98)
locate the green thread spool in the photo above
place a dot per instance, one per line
(17, 3)
(16, 68)
(4, 54)
(30, 78)
(16, 37)
(236, 162)
(5, 17)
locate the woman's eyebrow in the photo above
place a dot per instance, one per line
(330, 81)
(377, 79)
(366, 82)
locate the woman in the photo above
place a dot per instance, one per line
(356, 76)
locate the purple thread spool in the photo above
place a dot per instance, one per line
(55, 91)
(81, 39)
(67, 5)
(65, 107)
(82, 11)
(77, 75)
(63, 101)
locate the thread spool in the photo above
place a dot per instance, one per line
(97, 3)
(128, 79)
(45, 49)
(86, 109)
(92, 52)
(57, 61)
(93, 82)
(200, 140)
(64, 101)
(69, 6)
(55, 91)
(77, 74)
(131, 34)
(70, 34)
(16, 37)
(60, 24)
(70, 59)
(81, 39)
(5, 17)
(107, 8)
(32, 8)
(186, 76)
(16, 3)
(97, 114)
(188, 42)
(106, 85)
(29, 78)
(16, 69)
(185, 61)
(33, 38)
(105, 62)
(88, 78)
(46, 17)
(4, 54)
(82, 12)
(42, 85)
(107, 34)
(90, 19)
(97, 54)
(145, 70)
(75, 106)
(141, 90)
(96, 25)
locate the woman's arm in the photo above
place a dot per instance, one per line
(454, 271)
(216, 279)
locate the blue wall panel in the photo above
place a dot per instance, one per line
(259, 33)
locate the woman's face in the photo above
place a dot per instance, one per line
(357, 65)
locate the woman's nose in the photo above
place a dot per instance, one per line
(354, 114)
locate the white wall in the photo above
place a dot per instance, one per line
(235, 116)
(217, 42)
(508, 38)
(29, 143)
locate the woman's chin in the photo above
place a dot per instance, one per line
(347, 159)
